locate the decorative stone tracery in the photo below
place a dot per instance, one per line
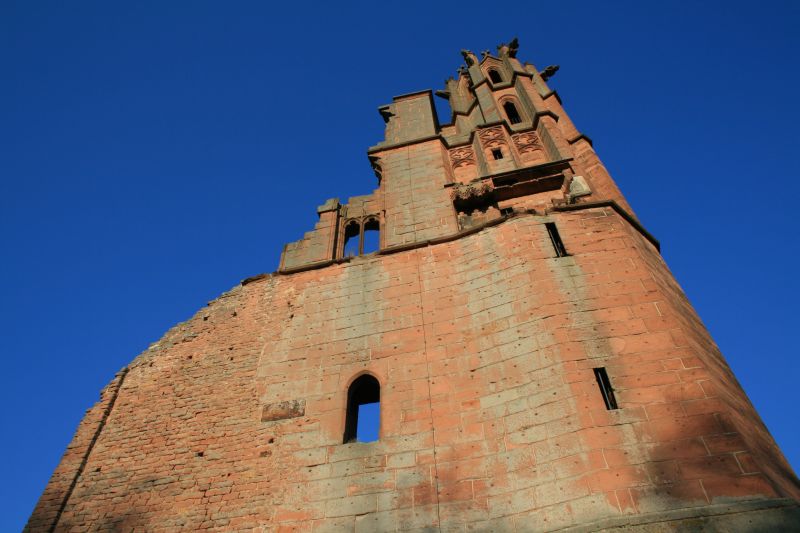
(527, 142)
(492, 137)
(462, 156)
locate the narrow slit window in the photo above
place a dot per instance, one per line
(512, 113)
(363, 420)
(605, 388)
(372, 236)
(555, 238)
(497, 153)
(352, 235)
(495, 76)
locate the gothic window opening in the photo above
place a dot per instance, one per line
(495, 76)
(497, 153)
(352, 236)
(606, 389)
(512, 113)
(372, 236)
(555, 238)
(363, 420)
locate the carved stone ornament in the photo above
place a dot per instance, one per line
(462, 156)
(510, 49)
(492, 137)
(467, 193)
(527, 142)
(549, 72)
(376, 167)
(469, 57)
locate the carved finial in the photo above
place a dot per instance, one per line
(386, 113)
(469, 57)
(462, 70)
(484, 54)
(509, 49)
(549, 72)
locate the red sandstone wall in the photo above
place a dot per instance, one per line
(490, 414)
(417, 204)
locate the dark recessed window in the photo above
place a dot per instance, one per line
(497, 153)
(363, 420)
(372, 236)
(606, 389)
(495, 76)
(555, 238)
(352, 236)
(512, 113)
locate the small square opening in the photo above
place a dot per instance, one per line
(497, 153)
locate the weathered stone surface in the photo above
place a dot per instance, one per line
(283, 410)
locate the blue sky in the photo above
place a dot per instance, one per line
(154, 154)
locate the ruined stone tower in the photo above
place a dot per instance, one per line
(538, 367)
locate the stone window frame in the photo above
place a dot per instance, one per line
(361, 222)
(345, 225)
(523, 116)
(352, 403)
(496, 70)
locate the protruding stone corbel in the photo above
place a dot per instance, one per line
(574, 187)
(375, 162)
(577, 188)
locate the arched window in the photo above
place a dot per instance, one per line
(372, 236)
(512, 113)
(363, 420)
(495, 76)
(352, 236)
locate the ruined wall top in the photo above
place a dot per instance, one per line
(508, 145)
